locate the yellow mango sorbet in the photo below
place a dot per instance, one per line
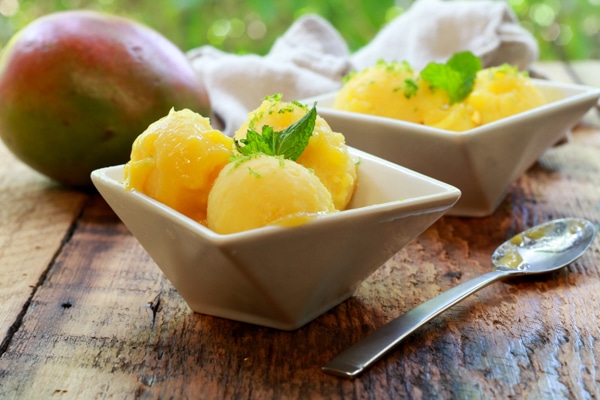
(260, 190)
(389, 89)
(290, 172)
(326, 153)
(394, 90)
(503, 91)
(176, 160)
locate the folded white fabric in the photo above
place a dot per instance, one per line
(311, 58)
(433, 30)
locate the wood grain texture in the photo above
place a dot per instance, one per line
(105, 323)
(86, 314)
(36, 216)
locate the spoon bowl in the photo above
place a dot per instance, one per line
(546, 247)
(541, 249)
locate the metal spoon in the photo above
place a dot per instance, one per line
(543, 248)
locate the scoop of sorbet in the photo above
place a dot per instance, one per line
(257, 191)
(176, 161)
(326, 153)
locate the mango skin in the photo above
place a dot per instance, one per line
(77, 88)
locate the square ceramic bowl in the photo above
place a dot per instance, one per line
(481, 162)
(276, 276)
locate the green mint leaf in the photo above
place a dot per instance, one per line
(289, 143)
(456, 77)
(293, 140)
(410, 87)
(468, 65)
(256, 142)
(274, 97)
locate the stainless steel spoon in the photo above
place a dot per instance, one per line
(543, 248)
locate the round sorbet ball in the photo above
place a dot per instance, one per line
(503, 91)
(326, 153)
(457, 117)
(257, 191)
(176, 161)
(389, 89)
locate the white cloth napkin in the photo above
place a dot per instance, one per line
(311, 58)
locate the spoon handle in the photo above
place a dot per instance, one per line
(364, 353)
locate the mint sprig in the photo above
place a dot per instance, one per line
(289, 143)
(456, 77)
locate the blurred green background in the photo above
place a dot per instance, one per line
(565, 29)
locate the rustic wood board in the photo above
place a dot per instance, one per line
(36, 216)
(85, 313)
(103, 322)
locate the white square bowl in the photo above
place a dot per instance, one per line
(283, 277)
(481, 162)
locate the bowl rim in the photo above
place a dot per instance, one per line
(447, 195)
(584, 94)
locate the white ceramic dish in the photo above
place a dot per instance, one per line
(482, 162)
(283, 277)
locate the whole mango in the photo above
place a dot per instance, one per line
(77, 88)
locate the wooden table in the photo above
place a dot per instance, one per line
(86, 314)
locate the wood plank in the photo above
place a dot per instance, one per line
(91, 332)
(36, 216)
